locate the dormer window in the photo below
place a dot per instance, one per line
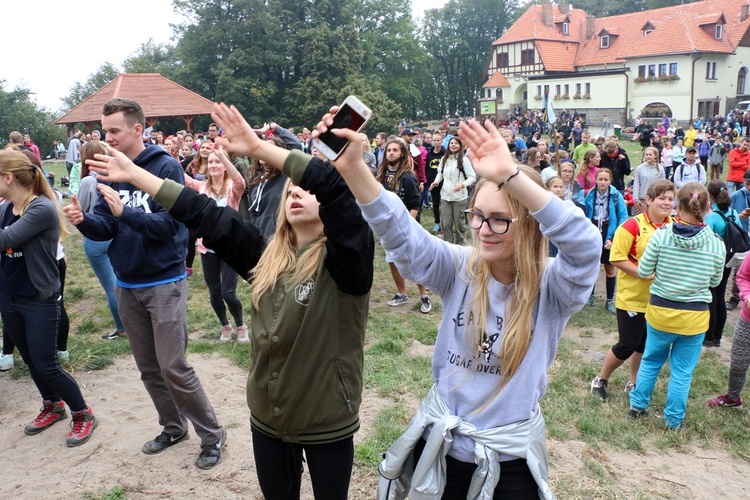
(646, 32)
(719, 31)
(604, 42)
(565, 28)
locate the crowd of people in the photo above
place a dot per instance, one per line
(261, 203)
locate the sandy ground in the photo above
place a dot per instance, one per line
(43, 467)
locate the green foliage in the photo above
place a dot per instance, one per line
(116, 493)
(459, 37)
(20, 113)
(152, 58)
(605, 8)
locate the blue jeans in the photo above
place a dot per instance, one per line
(96, 253)
(683, 352)
(733, 186)
(32, 325)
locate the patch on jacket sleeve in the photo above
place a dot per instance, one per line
(303, 292)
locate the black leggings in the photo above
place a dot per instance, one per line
(515, 482)
(279, 467)
(221, 280)
(63, 325)
(190, 258)
(64, 329)
(436, 202)
(718, 308)
(632, 331)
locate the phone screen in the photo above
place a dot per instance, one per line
(347, 117)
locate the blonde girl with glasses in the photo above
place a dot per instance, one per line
(505, 306)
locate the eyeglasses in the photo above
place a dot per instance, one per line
(497, 224)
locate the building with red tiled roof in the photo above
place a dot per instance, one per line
(158, 96)
(690, 60)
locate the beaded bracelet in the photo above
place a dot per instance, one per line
(500, 186)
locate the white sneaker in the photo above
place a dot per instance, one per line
(63, 356)
(242, 336)
(398, 299)
(6, 362)
(426, 305)
(226, 333)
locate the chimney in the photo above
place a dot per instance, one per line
(744, 13)
(564, 8)
(590, 26)
(547, 14)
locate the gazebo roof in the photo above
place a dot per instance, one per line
(158, 96)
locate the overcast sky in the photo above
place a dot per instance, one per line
(53, 44)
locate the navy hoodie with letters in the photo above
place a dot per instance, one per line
(148, 245)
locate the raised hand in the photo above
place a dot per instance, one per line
(73, 211)
(239, 137)
(351, 157)
(113, 168)
(112, 198)
(488, 151)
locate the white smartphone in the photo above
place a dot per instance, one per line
(352, 114)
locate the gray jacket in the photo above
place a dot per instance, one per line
(37, 231)
(400, 477)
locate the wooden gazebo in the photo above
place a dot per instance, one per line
(158, 96)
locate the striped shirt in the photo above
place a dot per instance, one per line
(687, 260)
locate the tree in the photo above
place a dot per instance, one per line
(459, 37)
(80, 91)
(392, 54)
(606, 8)
(152, 58)
(22, 114)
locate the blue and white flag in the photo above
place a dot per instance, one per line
(549, 113)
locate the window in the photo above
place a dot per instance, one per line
(578, 88)
(663, 69)
(557, 89)
(567, 89)
(604, 42)
(539, 90)
(588, 89)
(565, 28)
(642, 71)
(741, 80)
(673, 69)
(710, 71)
(499, 94)
(501, 60)
(652, 70)
(646, 32)
(527, 57)
(719, 31)
(546, 88)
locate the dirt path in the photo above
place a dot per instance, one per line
(42, 467)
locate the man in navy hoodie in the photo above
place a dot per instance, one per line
(148, 252)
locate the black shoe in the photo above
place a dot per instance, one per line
(732, 304)
(162, 442)
(711, 343)
(114, 335)
(211, 453)
(635, 413)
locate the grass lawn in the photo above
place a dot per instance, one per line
(402, 376)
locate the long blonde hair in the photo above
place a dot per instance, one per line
(280, 256)
(32, 178)
(529, 257)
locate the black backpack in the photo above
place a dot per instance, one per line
(736, 239)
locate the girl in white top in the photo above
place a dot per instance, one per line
(457, 177)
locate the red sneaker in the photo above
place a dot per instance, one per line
(82, 427)
(725, 401)
(48, 415)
